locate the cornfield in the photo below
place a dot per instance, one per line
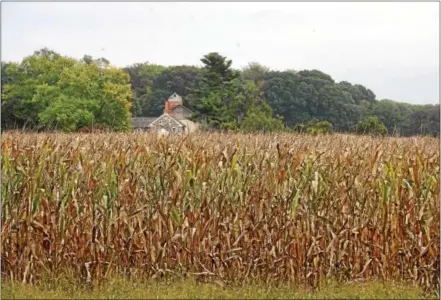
(230, 207)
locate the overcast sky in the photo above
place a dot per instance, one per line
(391, 48)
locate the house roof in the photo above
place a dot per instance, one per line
(187, 109)
(179, 117)
(142, 122)
(175, 96)
(145, 122)
(165, 115)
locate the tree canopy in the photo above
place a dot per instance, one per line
(50, 91)
(47, 90)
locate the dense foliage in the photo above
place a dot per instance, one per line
(48, 90)
(315, 127)
(371, 126)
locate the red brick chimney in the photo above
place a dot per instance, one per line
(167, 109)
(171, 103)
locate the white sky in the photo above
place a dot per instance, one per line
(391, 48)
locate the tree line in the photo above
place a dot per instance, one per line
(49, 91)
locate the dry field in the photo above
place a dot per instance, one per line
(223, 207)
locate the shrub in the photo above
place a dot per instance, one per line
(261, 119)
(315, 127)
(372, 126)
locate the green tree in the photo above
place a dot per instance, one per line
(214, 111)
(371, 126)
(40, 91)
(358, 92)
(254, 114)
(336, 106)
(388, 113)
(178, 79)
(216, 97)
(107, 88)
(22, 93)
(425, 119)
(289, 98)
(321, 127)
(259, 118)
(68, 114)
(316, 78)
(315, 127)
(142, 76)
(217, 71)
(10, 102)
(255, 72)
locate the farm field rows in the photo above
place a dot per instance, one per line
(229, 208)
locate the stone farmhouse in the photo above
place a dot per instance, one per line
(174, 120)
